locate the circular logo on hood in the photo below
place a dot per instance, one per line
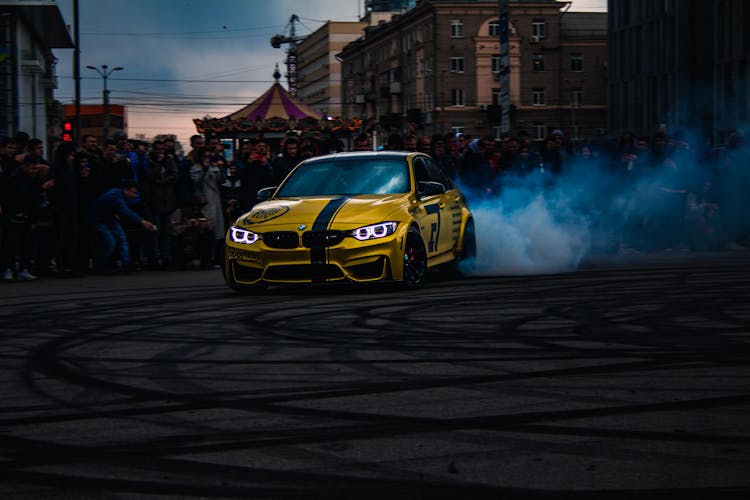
(259, 215)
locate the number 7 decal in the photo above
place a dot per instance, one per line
(434, 227)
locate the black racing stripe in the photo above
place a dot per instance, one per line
(325, 215)
(318, 254)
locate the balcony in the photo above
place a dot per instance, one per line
(30, 60)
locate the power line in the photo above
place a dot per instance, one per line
(224, 29)
(170, 80)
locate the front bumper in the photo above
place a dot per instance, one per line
(349, 260)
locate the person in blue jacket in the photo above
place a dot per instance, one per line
(107, 214)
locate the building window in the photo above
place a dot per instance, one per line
(457, 97)
(495, 96)
(538, 29)
(428, 66)
(457, 128)
(540, 131)
(538, 62)
(495, 64)
(457, 28)
(576, 97)
(538, 96)
(494, 28)
(497, 132)
(576, 61)
(457, 64)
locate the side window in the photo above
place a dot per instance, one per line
(438, 174)
(420, 170)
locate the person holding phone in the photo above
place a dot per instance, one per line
(192, 235)
(208, 175)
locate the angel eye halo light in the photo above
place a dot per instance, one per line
(374, 231)
(243, 236)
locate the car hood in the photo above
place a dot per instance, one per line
(319, 213)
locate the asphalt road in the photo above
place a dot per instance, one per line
(622, 380)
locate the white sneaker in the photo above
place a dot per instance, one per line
(8, 275)
(25, 275)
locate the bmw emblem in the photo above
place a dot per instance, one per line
(302, 227)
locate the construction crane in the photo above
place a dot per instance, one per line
(291, 53)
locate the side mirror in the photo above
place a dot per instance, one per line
(429, 188)
(265, 193)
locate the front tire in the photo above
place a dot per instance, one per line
(415, 260)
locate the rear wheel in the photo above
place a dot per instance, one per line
(469, 245)
(415, 260)
(465, 262)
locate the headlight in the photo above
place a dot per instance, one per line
(375, 231)
(239, 235)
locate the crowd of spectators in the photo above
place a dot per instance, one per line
(126, 204)
(639, 194)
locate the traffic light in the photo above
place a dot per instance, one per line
(67, 134)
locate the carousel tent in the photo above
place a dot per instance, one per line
(276, 102)
(275, 111)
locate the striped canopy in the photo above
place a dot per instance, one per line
(276, 102)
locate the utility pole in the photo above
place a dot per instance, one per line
(77, 76)
(504, 14)
(104, 73)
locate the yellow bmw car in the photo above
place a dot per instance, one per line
(352, 217)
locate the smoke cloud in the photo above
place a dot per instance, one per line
(679, 200)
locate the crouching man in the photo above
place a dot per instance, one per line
(106, 215)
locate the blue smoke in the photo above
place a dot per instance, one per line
(684, 199)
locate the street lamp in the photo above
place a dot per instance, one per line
(104, 73)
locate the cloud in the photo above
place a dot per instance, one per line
(166, 48)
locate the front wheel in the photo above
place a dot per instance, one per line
(415, 260)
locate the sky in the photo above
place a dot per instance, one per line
(185, 59)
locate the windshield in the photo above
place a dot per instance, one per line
(352, 177)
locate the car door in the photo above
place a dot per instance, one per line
(434, 211)
(450, 207)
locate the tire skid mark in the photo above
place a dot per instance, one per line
(367, 355)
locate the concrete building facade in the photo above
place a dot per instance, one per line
(684, 64)
(29, 30)
(319, 71)
(436, 68)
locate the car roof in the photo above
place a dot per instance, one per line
(368, 154)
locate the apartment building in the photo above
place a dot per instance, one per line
(28, 33)
(435, 68)
(683, 64)
(319, 71)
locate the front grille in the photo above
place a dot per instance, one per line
(281, 239)
(304, 273)
(322, 238)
